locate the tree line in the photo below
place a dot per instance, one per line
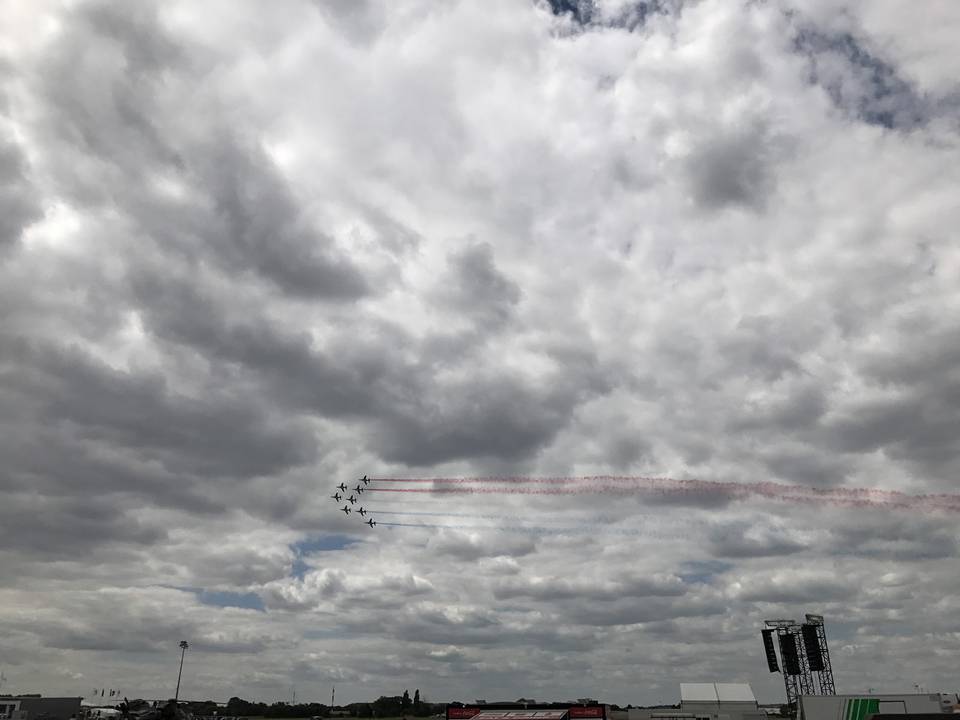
(383, 707)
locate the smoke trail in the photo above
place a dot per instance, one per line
(540, 530)
(592, 521)
(672, 488)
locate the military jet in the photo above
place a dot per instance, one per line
(346, 509)
(336, 497)
(371, 522)
(351, 499)
(362, 511)
(365, 480)
(342, 487)
(358, 489)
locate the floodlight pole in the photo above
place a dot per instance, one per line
(183, 650)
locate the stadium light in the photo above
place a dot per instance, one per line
(183, 650)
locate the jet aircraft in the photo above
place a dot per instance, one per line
(358, 489)
(346, 509)
(362, 511)
(371, 522)
(351, 499)
(336, 497)
(342, 487)
(365, 480)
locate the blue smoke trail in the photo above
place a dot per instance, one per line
(521, 518)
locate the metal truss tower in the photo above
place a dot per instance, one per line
(825, 674)
(805, 659)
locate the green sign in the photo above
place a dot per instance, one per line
(860, 708)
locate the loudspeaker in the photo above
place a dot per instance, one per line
(770, 651)
(788, 651)
(811, 644)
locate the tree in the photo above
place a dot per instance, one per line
(416, 699)
(405, 703)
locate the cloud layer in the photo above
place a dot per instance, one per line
(245, 256)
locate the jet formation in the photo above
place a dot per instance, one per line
(352, 499)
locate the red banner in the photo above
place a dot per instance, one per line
(462, 713)
(588, 711)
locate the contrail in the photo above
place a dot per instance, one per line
(673, 488)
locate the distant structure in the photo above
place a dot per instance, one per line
(707, 701)
(804, 654)
(920, 706)
(716, 701)
(30, 707)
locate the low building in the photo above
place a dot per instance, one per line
(524, 709)
(861, 707)
(718, 701)
(33, 707)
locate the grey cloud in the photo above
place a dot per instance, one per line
(154, 638)
(416, 420)
(733, 169)
(264, 228)
(629, 16)
(759, 345)
(469, 548)
(902, 539)
(224, 312)
(922, 428)
(807, 466)
(477, 288)
(211, 436)
(236, 212)
(860, 83)
(51, 528)
(19, 205)
(625, 612)
(798, 589)
(740, 540)
(586, 590)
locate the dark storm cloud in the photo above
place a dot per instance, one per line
(858, 82)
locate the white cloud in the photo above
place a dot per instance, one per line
(245, 256)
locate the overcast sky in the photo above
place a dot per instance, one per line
(251, 250)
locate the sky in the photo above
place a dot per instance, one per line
(250, 251)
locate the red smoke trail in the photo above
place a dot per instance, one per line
(541, 530)
(673, 488)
